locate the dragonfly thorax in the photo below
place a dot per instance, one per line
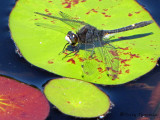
(71, 38)
(88, 34)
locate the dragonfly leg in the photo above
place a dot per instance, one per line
(63, 49)
(75, 51)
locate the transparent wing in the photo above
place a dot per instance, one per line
(66, 19)
(74, 24)
(111, 60)
(101, 59)
(88, 65)
(53, 27)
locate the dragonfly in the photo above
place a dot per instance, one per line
(92, 38)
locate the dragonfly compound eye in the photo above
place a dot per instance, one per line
(71, 38)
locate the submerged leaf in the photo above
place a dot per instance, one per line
(138, 49)
(21, 102)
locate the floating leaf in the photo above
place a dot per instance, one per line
(77, 98)
(21, 102)
(138, 49)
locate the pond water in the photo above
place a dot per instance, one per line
(130, 101)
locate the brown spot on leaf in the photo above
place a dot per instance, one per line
(83, 1)
(105, 9)
(50, 61)
(138, 12)
(127, 71)
(46, 10)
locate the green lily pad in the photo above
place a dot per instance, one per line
(77, 98)
(40, 46)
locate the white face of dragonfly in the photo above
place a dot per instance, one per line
(71, 38)
(68, 39)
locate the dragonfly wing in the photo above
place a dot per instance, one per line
(111, 60)
(76, 24)
(109, 56)
(88, 64)
(100, 59)
(66, 19)
(53, 27)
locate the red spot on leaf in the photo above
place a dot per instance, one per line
(107, 15)
(134, 55)
(71, 61)
(68, 102)
(44, 18)
(113, 53)
(70, 3)
(81, 59)
(49, 14)
(50, 1)
(100, 69)
(35, 19)
(130, 14)
(127, 71)
(103, 13)
(126, 65)
(126, 48)
(92, 10)
(98, 60)
(124, 60)
(120, 72)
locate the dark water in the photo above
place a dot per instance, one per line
(129, 101)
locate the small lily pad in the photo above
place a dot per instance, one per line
(77, 98)
(19, 101)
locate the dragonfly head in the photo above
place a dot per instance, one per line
(71, 38)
